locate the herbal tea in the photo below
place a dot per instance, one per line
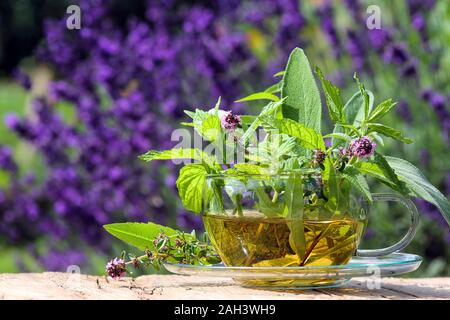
(259, 241)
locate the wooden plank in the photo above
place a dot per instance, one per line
(72, 286)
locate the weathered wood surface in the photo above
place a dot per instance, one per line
(52, 285)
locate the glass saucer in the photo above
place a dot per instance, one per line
(295, 277)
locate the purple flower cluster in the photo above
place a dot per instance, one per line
(230, 121)
(116, 268)
(362, 147)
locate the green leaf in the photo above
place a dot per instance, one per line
(206, 124)
(259, 96)
(301, 92)
(139, 235)
(333, 98)
(331, 182)
(248, 168)
(354, 108)
(381, 109)
(338, 135)
(210, 127)
(267, 111)
(279, 74)
(294, 206)
(274, 88)
(354, 112)
(419, 186)
(307, 137)
(177, 153)
(358, 182)
(389, 173)
(190, 184)
(246, 119)
(373, 170)
(388, 132)
(364, 95)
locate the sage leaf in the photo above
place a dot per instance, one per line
(300, 90)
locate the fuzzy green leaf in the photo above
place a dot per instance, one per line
(300, 90)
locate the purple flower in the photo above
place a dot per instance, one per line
(22, 78)
(362, 147)
(318, 157)
(116, 268)
(230, 121)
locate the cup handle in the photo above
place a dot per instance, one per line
(408, 236)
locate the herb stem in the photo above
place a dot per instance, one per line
(275, 196)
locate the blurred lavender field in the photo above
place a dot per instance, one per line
(80, 105)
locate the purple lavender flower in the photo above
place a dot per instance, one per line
(22, 78)
(116, 268)
(362, 147)
(230, 121)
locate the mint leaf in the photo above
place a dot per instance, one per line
(300, 90)
(389, 173)
(353, 112)
(339, 136)
(388, 132)
(190, 184)
(267, 111)
(139, 235)
(381, 110)
(364, 95)
(279, 74)
(307, 137)
(206, 124)
(358, 181)
(419, 186)
(375, 171)
(274, 88)
(248, 168)
(178, 153)
(210, 127)
(333, 98)
(354, 109)
(259, 96)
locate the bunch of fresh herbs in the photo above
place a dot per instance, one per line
(292, 142)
